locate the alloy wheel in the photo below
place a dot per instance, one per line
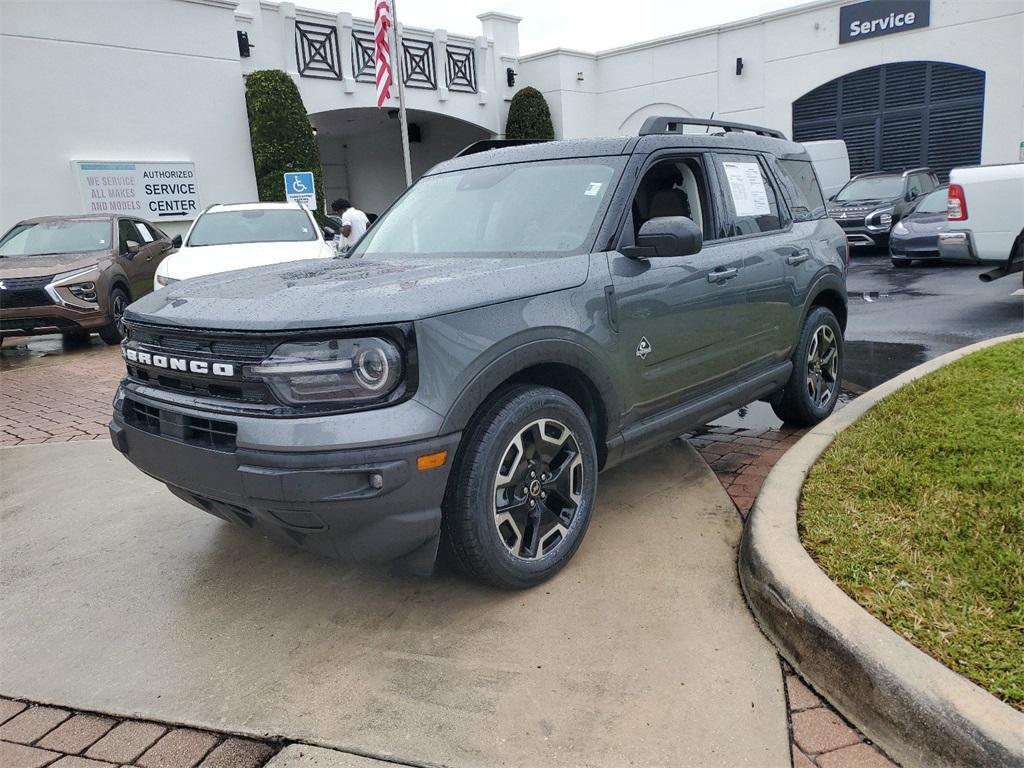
(538, 489)
(117, 307)
(823, 366)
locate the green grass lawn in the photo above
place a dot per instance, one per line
(917, 512)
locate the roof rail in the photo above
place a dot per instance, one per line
(656, 125)
(487, 144)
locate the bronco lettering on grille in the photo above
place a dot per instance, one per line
(170, 363)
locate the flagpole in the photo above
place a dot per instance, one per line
(399, 71)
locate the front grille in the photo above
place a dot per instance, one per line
(19, 299)
(26, 283)
(199, 345)
(201, 432)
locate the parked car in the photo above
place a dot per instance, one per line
(831, 162)
(986, 218)
(518, 320)
(76, 274)
(230, 237)
(871, 203)
(916, 235)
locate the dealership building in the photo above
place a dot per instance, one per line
(150, 95)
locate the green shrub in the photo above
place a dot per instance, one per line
(281, 135)
(529, 116)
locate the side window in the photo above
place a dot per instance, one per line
(676, 187)
(928, 182)
(914, 187)
(753, 204)
(126, 231)
(801, 189)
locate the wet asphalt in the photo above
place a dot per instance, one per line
(898, 318)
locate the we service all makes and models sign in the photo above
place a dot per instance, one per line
(156, 191)
(875, 18)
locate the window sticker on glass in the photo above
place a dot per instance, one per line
(747, 187)
(594, 188)
(144, 232)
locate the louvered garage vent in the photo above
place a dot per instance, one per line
(899, 116)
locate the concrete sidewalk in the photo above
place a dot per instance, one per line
(116, 597)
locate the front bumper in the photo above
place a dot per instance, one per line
(858, 234)
(325, 501)
(50, 318)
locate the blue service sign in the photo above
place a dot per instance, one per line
(299, 184)
(875, 18)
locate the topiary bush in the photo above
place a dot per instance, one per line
(281, 135)
(529, 116)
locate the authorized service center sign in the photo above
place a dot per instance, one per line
(156, 191)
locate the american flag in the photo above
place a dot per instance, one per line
(382, 56)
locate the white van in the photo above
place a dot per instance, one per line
(985, 218)
(831, 162)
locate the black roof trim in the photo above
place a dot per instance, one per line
(659, 125)
(488, 144)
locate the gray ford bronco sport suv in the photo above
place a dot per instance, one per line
(520, 319)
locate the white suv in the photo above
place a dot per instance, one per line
(227, 237)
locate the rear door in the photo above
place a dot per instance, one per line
(760, 239)
(679, 317)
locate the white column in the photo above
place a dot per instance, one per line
(287, 13)
(440, 62)
(344, 27)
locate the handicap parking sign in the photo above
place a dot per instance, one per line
(299, 188)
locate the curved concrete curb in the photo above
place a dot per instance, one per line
(919, 711)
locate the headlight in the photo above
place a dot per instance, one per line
(83, 291)
(164, 280)
(880, 218)
(345, 370)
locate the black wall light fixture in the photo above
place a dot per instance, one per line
(739, 65)
(244, 46)
(510, 77)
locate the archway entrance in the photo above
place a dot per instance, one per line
(898, 116)
(361, 151)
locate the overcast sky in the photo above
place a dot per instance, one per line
(589, 25)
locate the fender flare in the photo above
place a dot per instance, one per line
(830, 281)
(528, 355)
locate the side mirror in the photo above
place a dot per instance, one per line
(176, 241)
(329, 233)
(909, 196)
(131, 248)
(666, 236)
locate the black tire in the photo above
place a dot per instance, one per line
(489, 544)
(75, 337)
(902, 263)
(795, 404)
(113, 333)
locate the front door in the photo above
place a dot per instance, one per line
(679, 317)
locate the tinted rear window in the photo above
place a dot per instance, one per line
(801, 187)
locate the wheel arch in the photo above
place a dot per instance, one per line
(829, 292)
(565, 366)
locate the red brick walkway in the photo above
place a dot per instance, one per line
(69, 398)
(33, 736)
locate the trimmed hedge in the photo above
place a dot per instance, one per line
(529, 116)
(281, 135)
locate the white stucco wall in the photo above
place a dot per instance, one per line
(785, 55)
(118, 80)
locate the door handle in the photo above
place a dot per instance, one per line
(721, 275)
(799, 257)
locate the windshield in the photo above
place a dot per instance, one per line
(252, 226)
(872, 188)
(53, 238)
(547, 207)
(934, 202)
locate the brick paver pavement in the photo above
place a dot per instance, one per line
(26, 742)
(68, 397)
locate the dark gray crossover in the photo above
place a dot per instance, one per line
(520, 319)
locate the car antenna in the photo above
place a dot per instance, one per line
(707, 128)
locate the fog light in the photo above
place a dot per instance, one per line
(376, 481)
